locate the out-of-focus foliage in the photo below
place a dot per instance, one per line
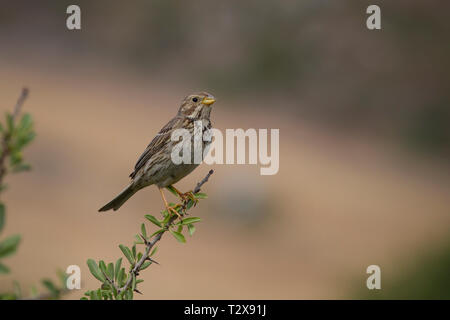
(15, 136)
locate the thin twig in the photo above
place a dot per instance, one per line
(20, 101)
(150, 244)
(6, 138)
(201, 183)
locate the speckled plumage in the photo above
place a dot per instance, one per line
(155, 165)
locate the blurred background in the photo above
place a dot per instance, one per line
(364, 123)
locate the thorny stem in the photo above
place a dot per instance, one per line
(150, 244)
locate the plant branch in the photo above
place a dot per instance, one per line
(150, 244)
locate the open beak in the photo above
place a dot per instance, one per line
(208, 100)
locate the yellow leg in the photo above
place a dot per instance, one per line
(169, 208)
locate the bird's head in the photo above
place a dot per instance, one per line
(197, 106)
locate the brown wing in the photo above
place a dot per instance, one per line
(156, 144)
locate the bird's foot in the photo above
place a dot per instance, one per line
(185, 196)
(173, 209)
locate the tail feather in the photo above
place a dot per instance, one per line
(118, 201)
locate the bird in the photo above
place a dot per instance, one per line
(155, 165)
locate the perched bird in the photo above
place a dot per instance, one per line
(155, 165)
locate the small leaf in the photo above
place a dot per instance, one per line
(10, 123)
(152, 219)
(145, 265)
(95, 270)
(110, 271)
(121, 276)
(129, 294)
(133, 282)
(3, 269)
(9, 245)
(157, 232)
(34, 291)
(190, 220)
(200, 195)
(127, 252)
(21, 167)
(138, 239)
(144, 231)
(189, 204)
(191, 229)
(172, 190)
(133, 250)
(178, 236)
(2, 216)
(102, 266)
(51, 287)
(154, 251)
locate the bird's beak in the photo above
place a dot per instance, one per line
(208, 100)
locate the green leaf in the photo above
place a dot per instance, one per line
(121, 277)
(191, 229)
(25, 122)
(154, 251)
(189, 204)
(134, 252)
(172, 190)
(153, 220)
(190, 220)
(127, 252)
(102, 266)
(21, 167)
(200, 195)
(133, 282)
(157, 232)
(10, 123)
(180, 228)
(110, 271)
(144, 231)
(129, 294)
(2, 216)
(9, 245)
(166, 218)
(145, 265)
(17, 289)
(51, 287)
(34, 291)
(117, 268)
(95, 270)
(3, 269)
(139, 256)
(178, 236)
(138, 239)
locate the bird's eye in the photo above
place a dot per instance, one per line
(195, 99)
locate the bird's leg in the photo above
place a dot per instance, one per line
(185, 195)
(168, 208)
